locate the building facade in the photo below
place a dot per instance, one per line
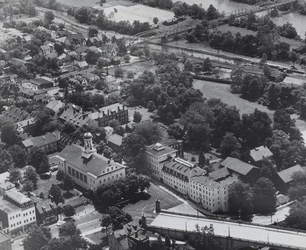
(86, 167)
(17, 212)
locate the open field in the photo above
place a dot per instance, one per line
(137, 12)
(95, 3)
(222, 92)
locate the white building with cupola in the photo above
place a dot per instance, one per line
(86, 167)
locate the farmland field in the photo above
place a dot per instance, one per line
(137, 12)
(222, 92)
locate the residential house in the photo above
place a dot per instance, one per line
(51, 55)
(42, 83)
(284, 179)
(115, 142)
(30, 94)
(48, 142)
(17, 212)
(5, 184)
(46, 49)
(109, 50)
(76, 117)
(16, 114)
(25, 126)
(130, 237)
(17, 62)
(82, 65)
(241, 169)
(5, 240)
(93, 41)
(90, 77)
(72, 55)
(55, 106)
(114, 111)
(86, 167)
(46, 211)
(61, 39)
(75, 40)
(259, 153)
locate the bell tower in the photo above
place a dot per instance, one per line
(89, 147)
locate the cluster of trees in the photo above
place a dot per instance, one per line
(86, 100)
(297, 215)
(163, 4)
(91, 16)
(39, 237)
(114, 218)
(169, 90)
(266, 41)
(122, 189)
(260, 198)
(195, 11)
(17, 8)
(252, 22)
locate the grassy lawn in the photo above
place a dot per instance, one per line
(222, 92)
(148, 205)
(45, 184)
(93, 3)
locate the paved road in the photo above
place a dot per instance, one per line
(274, 236)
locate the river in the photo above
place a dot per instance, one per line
(229, 7)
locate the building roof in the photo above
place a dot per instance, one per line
(4, 237)
(159, 150)
(112, 107)
(42, 140)
(295, 80)
(181, 169)
(55, 105)
(40, 81)
(51, 55)
(96, 165)
(169, 142)
(286, 175)
(82, 64)
(115, 139)
(61, 39)
(219, 174)
(237, 166)
(8, 207)
(209, 182)
(17, 196)
(43, 206)
(5, 184)
(16, 114)
(260, 153)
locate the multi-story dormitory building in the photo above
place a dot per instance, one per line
(208, 190)
(17, 212)
(102, 117)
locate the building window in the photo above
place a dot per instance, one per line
(77, 174)
(69, 170)
(85, 178)
(73, 172)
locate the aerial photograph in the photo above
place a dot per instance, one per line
(152, 124)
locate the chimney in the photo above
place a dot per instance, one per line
(144, 222)
(157, 206)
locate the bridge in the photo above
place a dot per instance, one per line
(231, 235)
(258, 9)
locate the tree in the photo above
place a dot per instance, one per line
(28, 186)
(31, 175)
(56, 194)
(212, 13)
(92, 31)
(68, 183)
(155, 20)
(137, 117)
(150, 131)
(115, 218)
(59, 48)
(240, 198)
(207, 65)
(119, 72)
(230, 146)
(19, 155)
(83, 14)
(6, 161)
(70, 237)
(293, 57)
(202, 158)
(49, 16)
(15, 175)
(39, 160)
(151, 106)
(8, 135)
(264, 196)
(188, 66)
(297, 216)
(298, 189)
(69, 210)
(205, 239)
(92, 57)
(60, 176)
(37, 238)
(267, 169)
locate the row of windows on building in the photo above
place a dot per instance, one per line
(25, 221)
(18, 215)
(109, 178)
(77, 174)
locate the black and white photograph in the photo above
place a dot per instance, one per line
(152, 124)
